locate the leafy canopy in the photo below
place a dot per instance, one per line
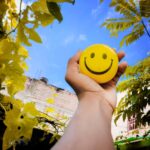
(17, 30)
(133, 13)
(137, 93)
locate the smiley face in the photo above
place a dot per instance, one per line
(99, 62)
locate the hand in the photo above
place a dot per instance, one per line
(84, 85)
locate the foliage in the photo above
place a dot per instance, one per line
(17, 29)
(101, 1)
(132, 19)
(21, 126)
(144, 8)
(25, 118)
(137, 84)
(137, 93)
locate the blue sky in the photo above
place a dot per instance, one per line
(79, 29)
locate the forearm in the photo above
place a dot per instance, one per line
(90, 128)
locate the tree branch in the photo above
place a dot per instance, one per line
(1, 105)
(145, 28)
(19, 19)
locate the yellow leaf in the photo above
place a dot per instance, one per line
(61, 1)
(30, 107)
(23, 52)
(8, 82)
(50, 110)
(65, 117)
(43, 115)
(24, 65)
(7, 26)
(50, 100)
(13, 4)
(21, 36)
(44, 18)
(55, 95)
(40, 6)
(3, 8)
(33, 35)
(14, 22)
(20, 122)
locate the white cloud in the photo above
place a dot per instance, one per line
(101, 13)
(74, 39)
(69, 39)
(95, 12)
(112, 14)
(82, 37)
(55, 66)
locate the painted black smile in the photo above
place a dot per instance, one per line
(95, 72)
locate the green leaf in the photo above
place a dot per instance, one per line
(145, 8)
(124, 115)
(54, 9)
(61, 1)
(118, 24)
(125, 8)
(133, 36)
(116, 119)
(101, 1)
(136, 88)
(130, 18)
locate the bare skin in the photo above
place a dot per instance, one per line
(90, 127)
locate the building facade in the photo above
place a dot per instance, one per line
(65, 103)
(39, 91)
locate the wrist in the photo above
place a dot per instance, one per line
(97, 102)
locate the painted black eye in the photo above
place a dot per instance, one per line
(21, 116)
(92, 55)
(19, 127)
(104, 56)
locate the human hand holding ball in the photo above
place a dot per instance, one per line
(94, 72)
(85, 70)
(99, 62)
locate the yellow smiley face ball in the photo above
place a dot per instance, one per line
(99, 62)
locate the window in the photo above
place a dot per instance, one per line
(132, 123)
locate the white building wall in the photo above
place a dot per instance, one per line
(38, 91)
(65, 102)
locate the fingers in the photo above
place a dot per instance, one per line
(72, 67)
(73, 62)
(121, 55)
(121, 69)
(75, 58)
